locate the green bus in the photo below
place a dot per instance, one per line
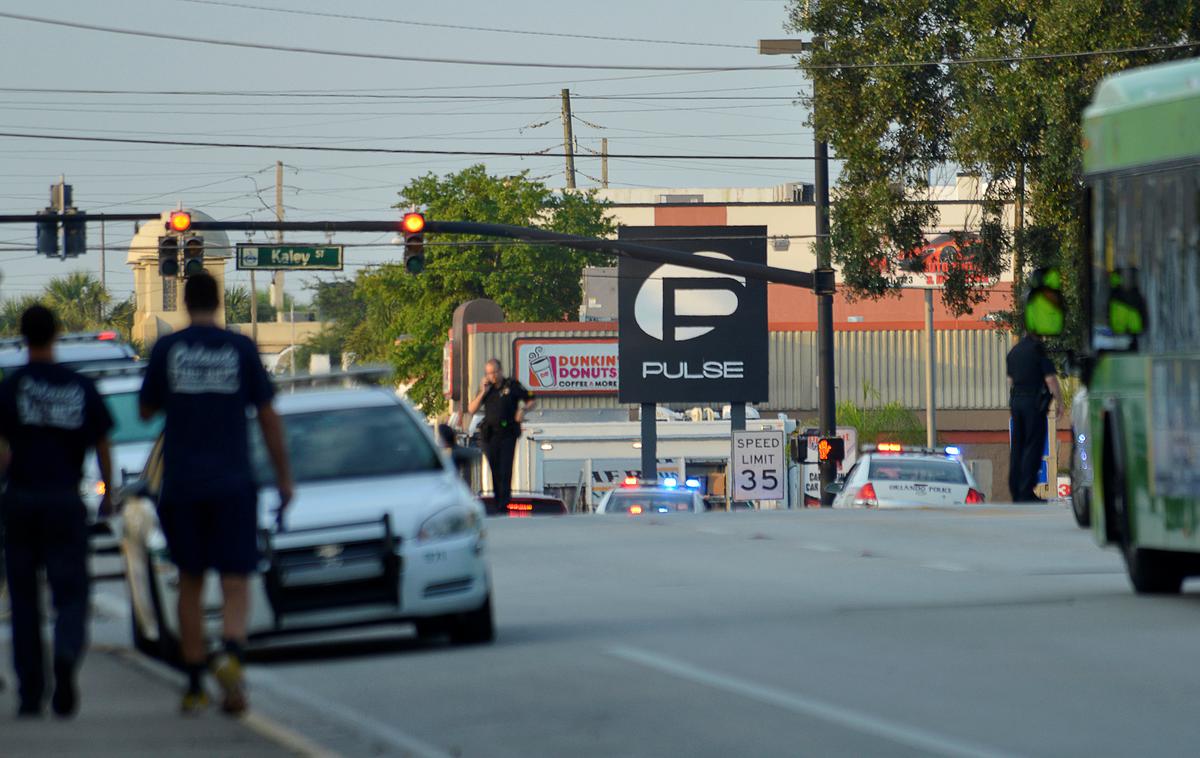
(1142, 364)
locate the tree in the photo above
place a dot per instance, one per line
(1015, 122)
(79, 300)
(406, 317)
(237, 305)
(342, 312)
(10, 314)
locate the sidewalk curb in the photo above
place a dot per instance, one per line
(263, 725)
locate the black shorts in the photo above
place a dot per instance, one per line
(219, 533)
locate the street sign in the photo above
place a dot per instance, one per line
(289, 257)
(688, 335)
(758, 465)
(812, 473)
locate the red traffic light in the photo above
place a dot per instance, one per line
(413, 223)
(180, 221)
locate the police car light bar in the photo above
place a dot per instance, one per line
(692, 483)
(670, 482)
(896, 447)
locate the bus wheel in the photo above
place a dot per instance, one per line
(1151, 572)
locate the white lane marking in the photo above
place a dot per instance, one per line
(945, 566)
(378, 729)
(856, 720)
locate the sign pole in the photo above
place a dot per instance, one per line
(930, 373)
(737, 417)
(649, 442)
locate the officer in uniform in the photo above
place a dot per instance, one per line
(501, 398)
(50, 416)
(1032, 384)
(205, 378)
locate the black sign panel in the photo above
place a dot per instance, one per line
(688, 335)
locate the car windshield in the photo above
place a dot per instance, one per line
(127, 424)
(910, 470)
(649, 502)
(348, 443)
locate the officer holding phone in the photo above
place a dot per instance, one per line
(505, 401)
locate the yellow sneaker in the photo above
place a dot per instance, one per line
(228, 672)
(193, 703)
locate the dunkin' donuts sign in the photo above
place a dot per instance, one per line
(568, 366)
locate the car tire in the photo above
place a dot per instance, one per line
(1151, 572)
(473, 627)
(1081, 505)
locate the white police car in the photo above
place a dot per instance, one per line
(890, 475)
(638, 498)
(381, 530)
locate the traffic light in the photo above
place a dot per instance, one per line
(193, 255)
(168, 256)
(179, 221)
(831, 449)
(1044, 311)
(413, 226)
(74, 233)
(47, 233)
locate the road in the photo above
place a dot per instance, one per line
(995, 631)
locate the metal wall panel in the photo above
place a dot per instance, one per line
(873, 368)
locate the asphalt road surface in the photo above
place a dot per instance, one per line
(993, 631)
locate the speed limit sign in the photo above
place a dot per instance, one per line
(757, 465)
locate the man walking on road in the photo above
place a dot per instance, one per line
(205, 378)
(1032, 384)
(50, 416)
(501, 398)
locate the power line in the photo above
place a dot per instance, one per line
(390, 94)
(530, 32)
(389, 150)
(381, 56)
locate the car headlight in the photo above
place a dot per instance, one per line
(455, 521)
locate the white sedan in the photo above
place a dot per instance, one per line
(891, 476)
(381, 530)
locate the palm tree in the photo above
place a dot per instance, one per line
(237, 305)
(79, 300)
(10, 314)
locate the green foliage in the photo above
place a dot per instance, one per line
(1017, 124)
(875, 422)
(405, 318)
(79, 301)
(237, 305)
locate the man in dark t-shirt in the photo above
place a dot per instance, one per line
(1032, 384)
(50, 417)
(501, 398)
(205, 379)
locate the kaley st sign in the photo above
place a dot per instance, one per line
(689, 335)
(567, 366)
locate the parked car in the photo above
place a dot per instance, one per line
(635, 498)
(381, 530)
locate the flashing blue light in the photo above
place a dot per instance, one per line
(692, 483)
(953, 450)
(670, 481)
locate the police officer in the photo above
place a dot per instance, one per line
(205, 378)
(505, 402)
(50, 416)
(1032, 383)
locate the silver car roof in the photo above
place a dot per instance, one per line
(306, 401)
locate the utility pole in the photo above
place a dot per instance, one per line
(604, 162)
(277, 279)
(827, 396)
(103, 284)
(930, 373)
(568, 138)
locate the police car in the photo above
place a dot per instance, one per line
(381, 530)
(637, 498)
(79, 351)
(890, 475)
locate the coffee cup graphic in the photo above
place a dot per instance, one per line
(542, 368)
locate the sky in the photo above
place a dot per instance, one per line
(392, 104)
